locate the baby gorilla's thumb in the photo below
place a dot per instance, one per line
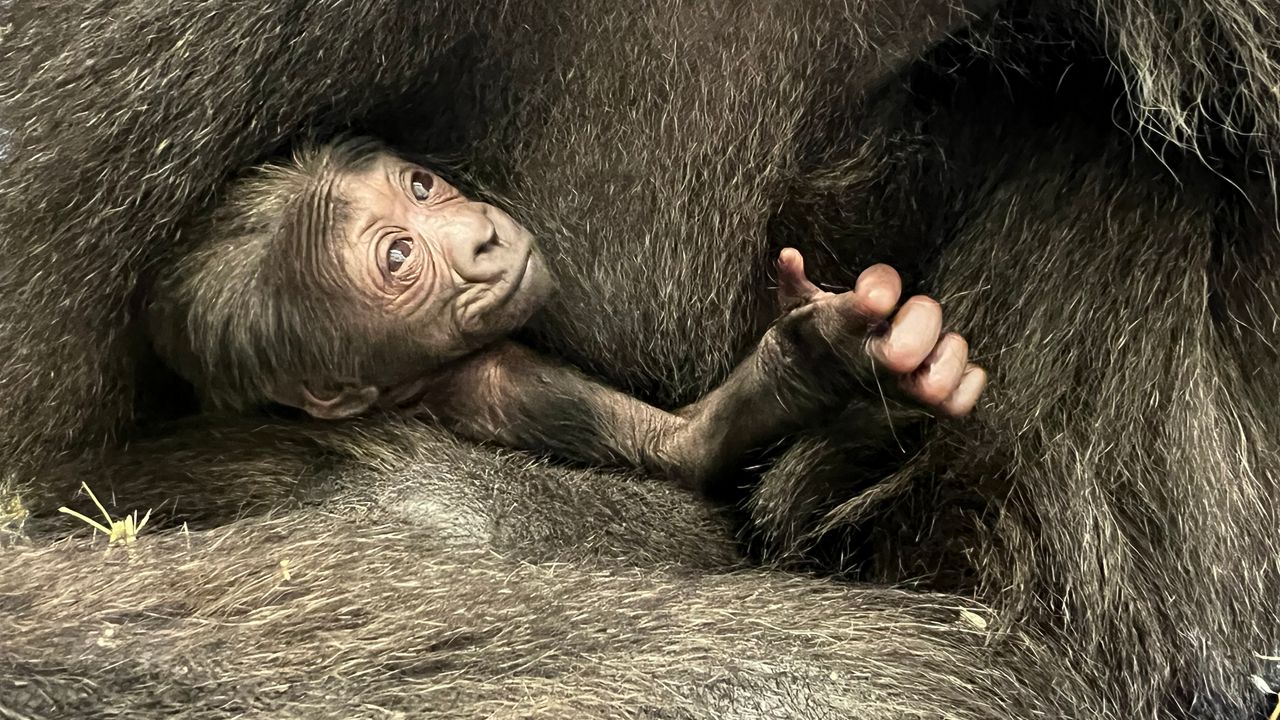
(794, 288)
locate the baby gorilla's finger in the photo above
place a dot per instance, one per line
(794, 288)
(966, 395)
(940, 374)
(879, 287)
(910, 338)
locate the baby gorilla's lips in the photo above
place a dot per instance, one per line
(497, 308)
(517, 281)
(514, 281)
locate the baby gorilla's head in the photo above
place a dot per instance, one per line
(334, 282)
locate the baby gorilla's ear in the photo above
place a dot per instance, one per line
(329, 403)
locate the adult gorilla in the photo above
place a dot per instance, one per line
(1087, 184)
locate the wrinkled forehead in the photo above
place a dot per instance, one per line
(375, 191)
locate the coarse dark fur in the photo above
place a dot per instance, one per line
(1086, 185)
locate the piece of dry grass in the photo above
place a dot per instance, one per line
(119, 532)
(13, 514)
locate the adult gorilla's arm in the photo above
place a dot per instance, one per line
(372, 619)
(422, 576)
(208, 471)
(411, 572)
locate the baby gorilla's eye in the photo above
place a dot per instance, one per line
(421, 185)
(397, 253)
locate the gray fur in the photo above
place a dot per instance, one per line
(1108, 511)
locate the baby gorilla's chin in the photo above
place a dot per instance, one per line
(536, 286)
(530, 294)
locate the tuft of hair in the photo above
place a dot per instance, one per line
(252, 305)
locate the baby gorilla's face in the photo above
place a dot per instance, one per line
(452, 273)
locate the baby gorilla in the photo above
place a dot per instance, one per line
(352, 279)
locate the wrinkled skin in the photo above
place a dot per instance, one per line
(1110, 502)
(454, 273)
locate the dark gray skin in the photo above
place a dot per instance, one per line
(456, 275)
(1112, 503)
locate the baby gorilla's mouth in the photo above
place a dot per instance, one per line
(517, 281)
(494, 312)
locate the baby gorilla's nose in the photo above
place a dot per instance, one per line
(478, 252)
(492, 243)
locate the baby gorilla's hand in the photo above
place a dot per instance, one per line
(810, 366)
(931, 368)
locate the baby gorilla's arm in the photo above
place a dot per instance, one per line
(514, 396)
(807, 366)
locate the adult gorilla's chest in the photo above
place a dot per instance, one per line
(649, 147)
